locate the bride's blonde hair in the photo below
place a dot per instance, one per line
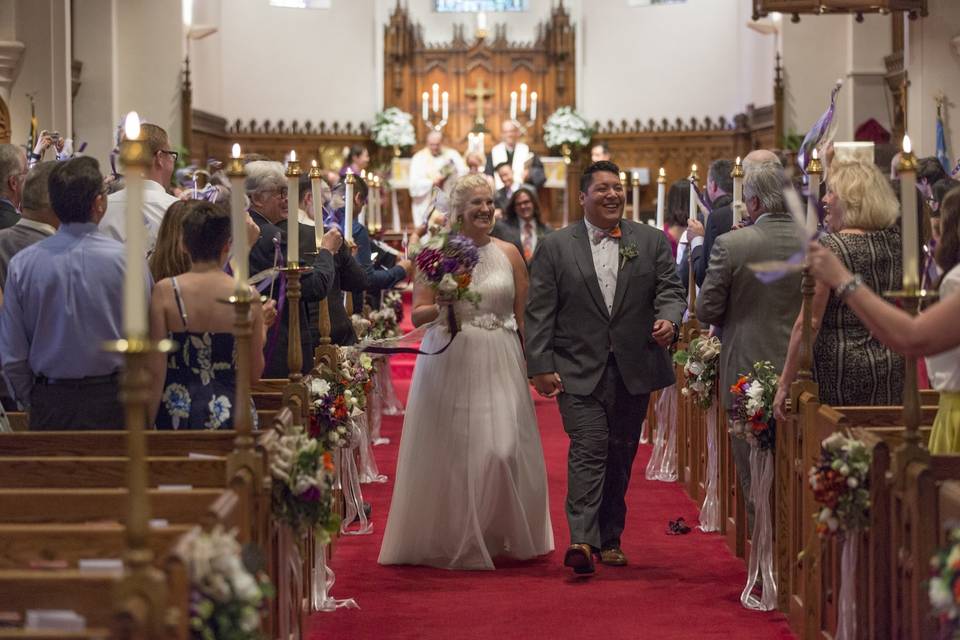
(463, 188)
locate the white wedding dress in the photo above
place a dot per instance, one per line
(471, 484)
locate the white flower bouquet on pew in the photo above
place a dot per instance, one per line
(303, 477)
(227, 595)
(699, 363)
(840, 481)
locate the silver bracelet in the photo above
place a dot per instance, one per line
(848, 287)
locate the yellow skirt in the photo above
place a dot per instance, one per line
(945, 437)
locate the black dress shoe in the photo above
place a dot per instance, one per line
(579, 557)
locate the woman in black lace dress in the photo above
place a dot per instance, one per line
(197, 387)
(850, 366)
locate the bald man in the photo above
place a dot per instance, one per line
(721, 220)
(432, 166)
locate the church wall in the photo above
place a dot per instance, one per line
(149, 58)
(933, 64)
(95, 110)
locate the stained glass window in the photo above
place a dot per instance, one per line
(474, 6)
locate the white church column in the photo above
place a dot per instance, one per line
(43, 26)
(95, 109)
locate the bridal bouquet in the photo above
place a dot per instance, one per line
(446, 263)
(303, 475)
(841, 483)
(566, 126)
(699, 363)
(944, 589)
(227, 597)
(753, 396)
(393, 127)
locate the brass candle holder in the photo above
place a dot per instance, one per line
(295, 394)
(140, 597)
(911, 450)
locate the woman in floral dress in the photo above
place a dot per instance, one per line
(197, 387)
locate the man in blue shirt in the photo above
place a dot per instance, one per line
(63, 299)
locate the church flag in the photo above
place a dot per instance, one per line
(942, 154)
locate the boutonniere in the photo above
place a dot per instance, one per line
(627, 252)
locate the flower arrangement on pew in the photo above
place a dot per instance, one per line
(699, 363)
(361, 326)
(340, 396)
(227, 596)
(944, 589)
(393, 299)
(383, 324)
(303, 477)
(841, 484)
(753, 395)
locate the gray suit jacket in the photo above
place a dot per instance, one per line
(568, 328)
(756, 318)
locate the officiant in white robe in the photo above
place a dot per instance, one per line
(432, 166)
(527, 167)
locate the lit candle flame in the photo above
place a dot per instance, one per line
(663, 173)
(693, 168)
(815, 155)
(738, 160)
(131, 126)
(349, 171)
(313, 163)
(636, 175)
(907, 146)
(363, 174)
(293, 156)
(235, 151)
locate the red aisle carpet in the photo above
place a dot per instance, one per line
(675, 586)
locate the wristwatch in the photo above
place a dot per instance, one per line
(849, 287)
(676, 332)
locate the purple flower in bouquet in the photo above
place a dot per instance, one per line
(310, 495)
(446, 262)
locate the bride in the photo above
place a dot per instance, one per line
(471, 483)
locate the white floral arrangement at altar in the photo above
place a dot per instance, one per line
(303, 476)
(566, 126)
(393, 127)
(699, 362)
(227, 597)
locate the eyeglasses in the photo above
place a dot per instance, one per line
(282, 192)
(175, 154)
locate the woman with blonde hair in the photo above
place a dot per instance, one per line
(471, 481)
(850, 365)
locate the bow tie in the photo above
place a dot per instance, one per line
(600, 234)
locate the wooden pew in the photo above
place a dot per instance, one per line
(96, 471)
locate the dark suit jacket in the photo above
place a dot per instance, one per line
(535, 176)
(568, 328)
(508, 230)
(756, 318)
(349, 275)
(314, 286)
(9, 215)
(718, 223)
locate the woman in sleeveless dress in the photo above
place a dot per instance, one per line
(195, 386)
(471, 484)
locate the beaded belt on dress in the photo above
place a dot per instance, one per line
(492, 322)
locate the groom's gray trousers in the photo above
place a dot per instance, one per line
(604, 430)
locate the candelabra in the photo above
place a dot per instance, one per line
(526, 114)
(440, 108)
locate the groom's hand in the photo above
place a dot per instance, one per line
(548, 385)
(663, 332)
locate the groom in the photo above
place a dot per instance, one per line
(604, 304)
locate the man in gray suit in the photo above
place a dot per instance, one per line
(604, 304)
(756, 318)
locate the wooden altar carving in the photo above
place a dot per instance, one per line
(493, 64)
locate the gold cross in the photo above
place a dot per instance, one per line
(479, 94)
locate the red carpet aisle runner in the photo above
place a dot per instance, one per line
(675, 587)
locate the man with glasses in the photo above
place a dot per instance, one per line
(155, 196)
(13, 170)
